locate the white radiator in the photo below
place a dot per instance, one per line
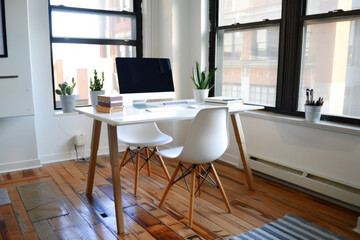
(338, 191)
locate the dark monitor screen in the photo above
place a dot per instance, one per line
(144, 75)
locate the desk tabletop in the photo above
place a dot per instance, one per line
(132, 115)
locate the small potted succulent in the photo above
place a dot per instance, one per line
(66, 98)
(201, 82)
(96, 87)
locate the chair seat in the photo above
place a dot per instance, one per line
(145, 140)
(142, 135)
(171, 152)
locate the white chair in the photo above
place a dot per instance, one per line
(207, 140)
(143, 137)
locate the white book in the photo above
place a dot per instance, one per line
(224, 100)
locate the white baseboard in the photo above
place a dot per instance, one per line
(232, 160)
(20, 165)
(66, 156)
(357, 229)
(51, 158)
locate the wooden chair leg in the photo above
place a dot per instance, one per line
(162, 164)
(137, 160)
(199, 178)
(170, 184)
(192, 197)
(148, 161)
(124, 158)
(221, 189)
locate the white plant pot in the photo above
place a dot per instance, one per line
(201, 94)
(312, 113)
(94, 97)
(68, 103)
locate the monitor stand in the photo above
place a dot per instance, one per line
(141, 104)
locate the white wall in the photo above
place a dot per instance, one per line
(54, 132)
(178, 31)
(16, 93)
(18, 146)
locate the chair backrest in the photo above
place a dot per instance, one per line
(208, 136)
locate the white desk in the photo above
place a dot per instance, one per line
(132, 115)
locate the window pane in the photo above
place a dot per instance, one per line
(115, 5)
(247, 64)
(245, 11)
(80, 60)
(331, 66)
(324, 6)
(80, 25)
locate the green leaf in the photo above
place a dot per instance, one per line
(198, 72)
(196, 85)
(58, 92)
(202, 81)
(210, 76)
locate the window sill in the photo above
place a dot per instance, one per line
(59, 113)
(323, 125)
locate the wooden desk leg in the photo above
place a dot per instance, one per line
(240, 139)
(115, 163)
(94, 149)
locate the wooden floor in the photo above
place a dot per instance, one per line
(94, 218)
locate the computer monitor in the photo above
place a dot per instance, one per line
(141, 79)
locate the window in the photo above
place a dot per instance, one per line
(330, 58)
(89, 34)
(247, 52)
(269, 52)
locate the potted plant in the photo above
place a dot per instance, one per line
(66, 98)
(201, 82)
(96, 88)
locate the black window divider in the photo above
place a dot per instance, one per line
(94, 41)
(241, 26)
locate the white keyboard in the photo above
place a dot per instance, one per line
(165, 109)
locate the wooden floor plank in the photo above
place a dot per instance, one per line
(44, 230)
(71, 195)
(102, 202)
(93, 217)
(8, 224)
(150, 223)
(20, 181)
(21, 215)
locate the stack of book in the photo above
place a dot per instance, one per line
(224, 100)
(109, 104)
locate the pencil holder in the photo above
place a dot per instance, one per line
(312, 113)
